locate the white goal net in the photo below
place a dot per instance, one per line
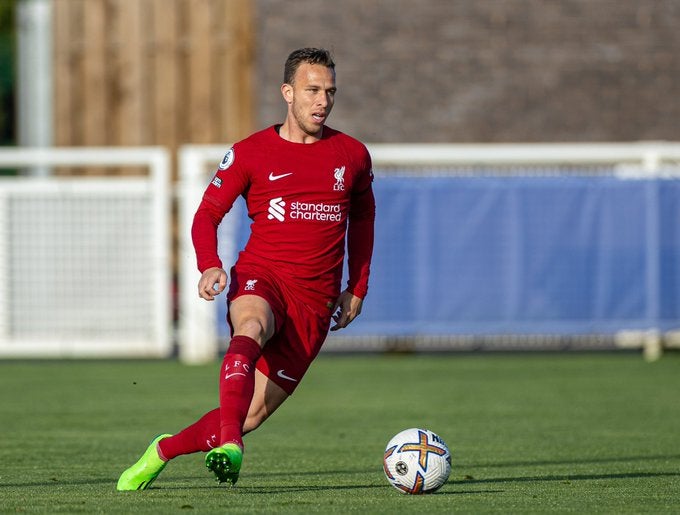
(85, 260)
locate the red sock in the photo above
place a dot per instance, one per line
(201, 436)
(237, 385)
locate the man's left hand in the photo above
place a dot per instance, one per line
(346, 309)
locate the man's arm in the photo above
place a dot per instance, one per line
(204, 236)
(360, 236)
(229, 182)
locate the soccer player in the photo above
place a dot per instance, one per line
(308, 190)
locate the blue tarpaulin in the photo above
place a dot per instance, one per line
(562, 255)
(523, 255)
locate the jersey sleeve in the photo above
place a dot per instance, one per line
(229, 182)
(360, 231)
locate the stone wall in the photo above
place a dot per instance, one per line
(484, 70)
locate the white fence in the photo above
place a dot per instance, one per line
(85, 261)
(198, 319)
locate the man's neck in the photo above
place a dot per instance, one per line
(297, 135)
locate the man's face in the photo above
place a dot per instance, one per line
(311, 96)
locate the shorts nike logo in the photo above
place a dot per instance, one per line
(282, 375)
(273, 177)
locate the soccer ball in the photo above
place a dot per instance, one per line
(417, 461)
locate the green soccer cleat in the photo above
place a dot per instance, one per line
(140, 475)
(225, 462)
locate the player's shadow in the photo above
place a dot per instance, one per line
(259, 490)
(55, 481)
(298, 481)
(565, 477)
(301, 487)
(575, 461)
(569, 477)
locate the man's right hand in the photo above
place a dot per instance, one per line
(212, 282)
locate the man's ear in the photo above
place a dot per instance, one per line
(287, 92)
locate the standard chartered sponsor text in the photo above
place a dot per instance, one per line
(320, 211)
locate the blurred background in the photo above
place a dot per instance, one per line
(527, 171)
(208, 71)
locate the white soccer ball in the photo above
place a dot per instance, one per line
(417, 461)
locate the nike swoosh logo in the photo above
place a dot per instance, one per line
(282, 375)
(273, 177)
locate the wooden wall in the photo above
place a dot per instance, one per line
(152, 72)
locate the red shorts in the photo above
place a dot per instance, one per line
(302, 324)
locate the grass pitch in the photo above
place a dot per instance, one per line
(529, 433)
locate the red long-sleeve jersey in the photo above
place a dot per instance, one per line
(303, 199)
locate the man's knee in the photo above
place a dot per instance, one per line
(255, 328)
(252, 316)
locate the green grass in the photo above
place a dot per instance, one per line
(529, 433)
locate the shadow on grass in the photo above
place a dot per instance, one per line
(259, 490)
(575, 461)
(298, 488)
(55, 481)
(209, 479)
(243, 488)
(567, 477)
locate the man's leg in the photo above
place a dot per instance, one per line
(236, 387)
(253, 323)
(201, 436)
(267, 398)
